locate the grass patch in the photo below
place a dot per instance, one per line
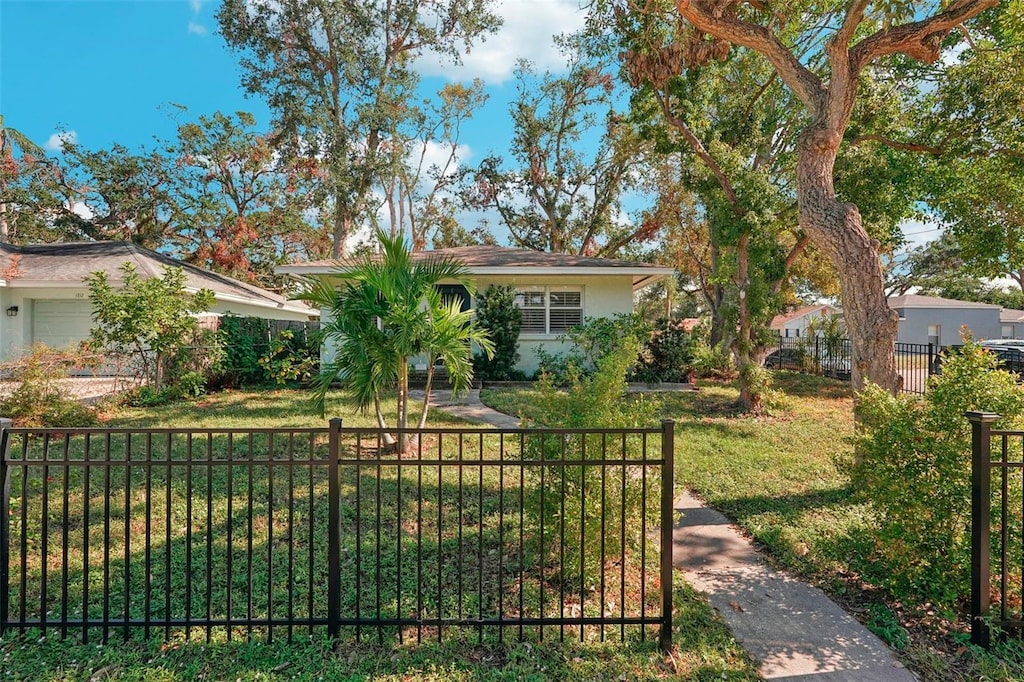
(777, 477)
(422, 551)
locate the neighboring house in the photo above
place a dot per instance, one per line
(795, 323)
(927, 319)
(554, 291)
(1011, 324)
(43, 297)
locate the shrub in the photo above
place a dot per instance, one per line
(241, 339)
(39, 400)
(667, 355)
(498, 315)
(591, 341)
(913, 463)
(288, 360)
(597, 400)
(712, 361)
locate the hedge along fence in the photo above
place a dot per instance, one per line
(221, 534)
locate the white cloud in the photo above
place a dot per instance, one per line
(197, 29)
(196, 5)
(82, 211)
(435, 154)
(918, 233)
(528, 32)
(57, 141)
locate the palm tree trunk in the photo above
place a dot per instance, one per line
(426, 396)
(381, 424)
(403, 401)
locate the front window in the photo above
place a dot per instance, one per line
(550, 310)
(1007, 331)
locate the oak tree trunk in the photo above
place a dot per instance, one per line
(837, 229)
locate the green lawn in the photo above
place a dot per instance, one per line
(777, 477)
(704, 648)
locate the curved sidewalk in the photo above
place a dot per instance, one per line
(792, 629)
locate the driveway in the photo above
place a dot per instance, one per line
(85, 389)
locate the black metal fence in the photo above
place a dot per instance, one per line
(915, 362)
(997, 532)
(299, 531)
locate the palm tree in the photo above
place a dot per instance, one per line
(9, 139)
(387, 311)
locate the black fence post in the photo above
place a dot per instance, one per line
(668, 444)
(334, 529)
(981, 500)
(5, 519)
(931, 359)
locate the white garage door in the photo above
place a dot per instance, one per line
(59, 324)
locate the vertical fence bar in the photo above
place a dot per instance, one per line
(333, 529)
(5, 519)
(668, 428)
(981, 494)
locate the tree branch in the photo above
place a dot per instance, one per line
(705, 17)
(705, 156)
(920, 40)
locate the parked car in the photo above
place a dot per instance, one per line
(1010, 353)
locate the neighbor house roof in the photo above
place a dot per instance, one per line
(67, 264)
(503, 260)
(1009, 316)
(780, 321)
(916, 301)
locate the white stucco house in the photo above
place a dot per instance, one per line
(554, 291)
(43, 297)
(794, 323)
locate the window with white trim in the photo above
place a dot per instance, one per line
(1007, 331)
(550, 310)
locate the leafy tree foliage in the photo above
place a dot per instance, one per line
(386, 311)
(557, 196)
(821, 53)
(11, 168)
(145, 318)
(340, 78)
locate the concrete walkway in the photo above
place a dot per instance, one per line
(793, 630)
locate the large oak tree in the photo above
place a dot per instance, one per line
(340, 78)
(821, 52)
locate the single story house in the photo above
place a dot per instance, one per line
(929, 319)
(554, 291)
(44, 299)
(795, 322)
(1011, 323)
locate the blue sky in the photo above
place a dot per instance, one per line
(105, 71)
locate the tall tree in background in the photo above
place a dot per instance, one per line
(420, 196)
(14, 168)
(574, 159)
(339, 77)
(820, 52)
(973, 129)
(240, 209)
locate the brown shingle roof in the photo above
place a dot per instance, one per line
(70, 262)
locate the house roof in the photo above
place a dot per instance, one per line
(66, 265)
(916, 301)
(1008, 315)
(780, 321)
(503, 260)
